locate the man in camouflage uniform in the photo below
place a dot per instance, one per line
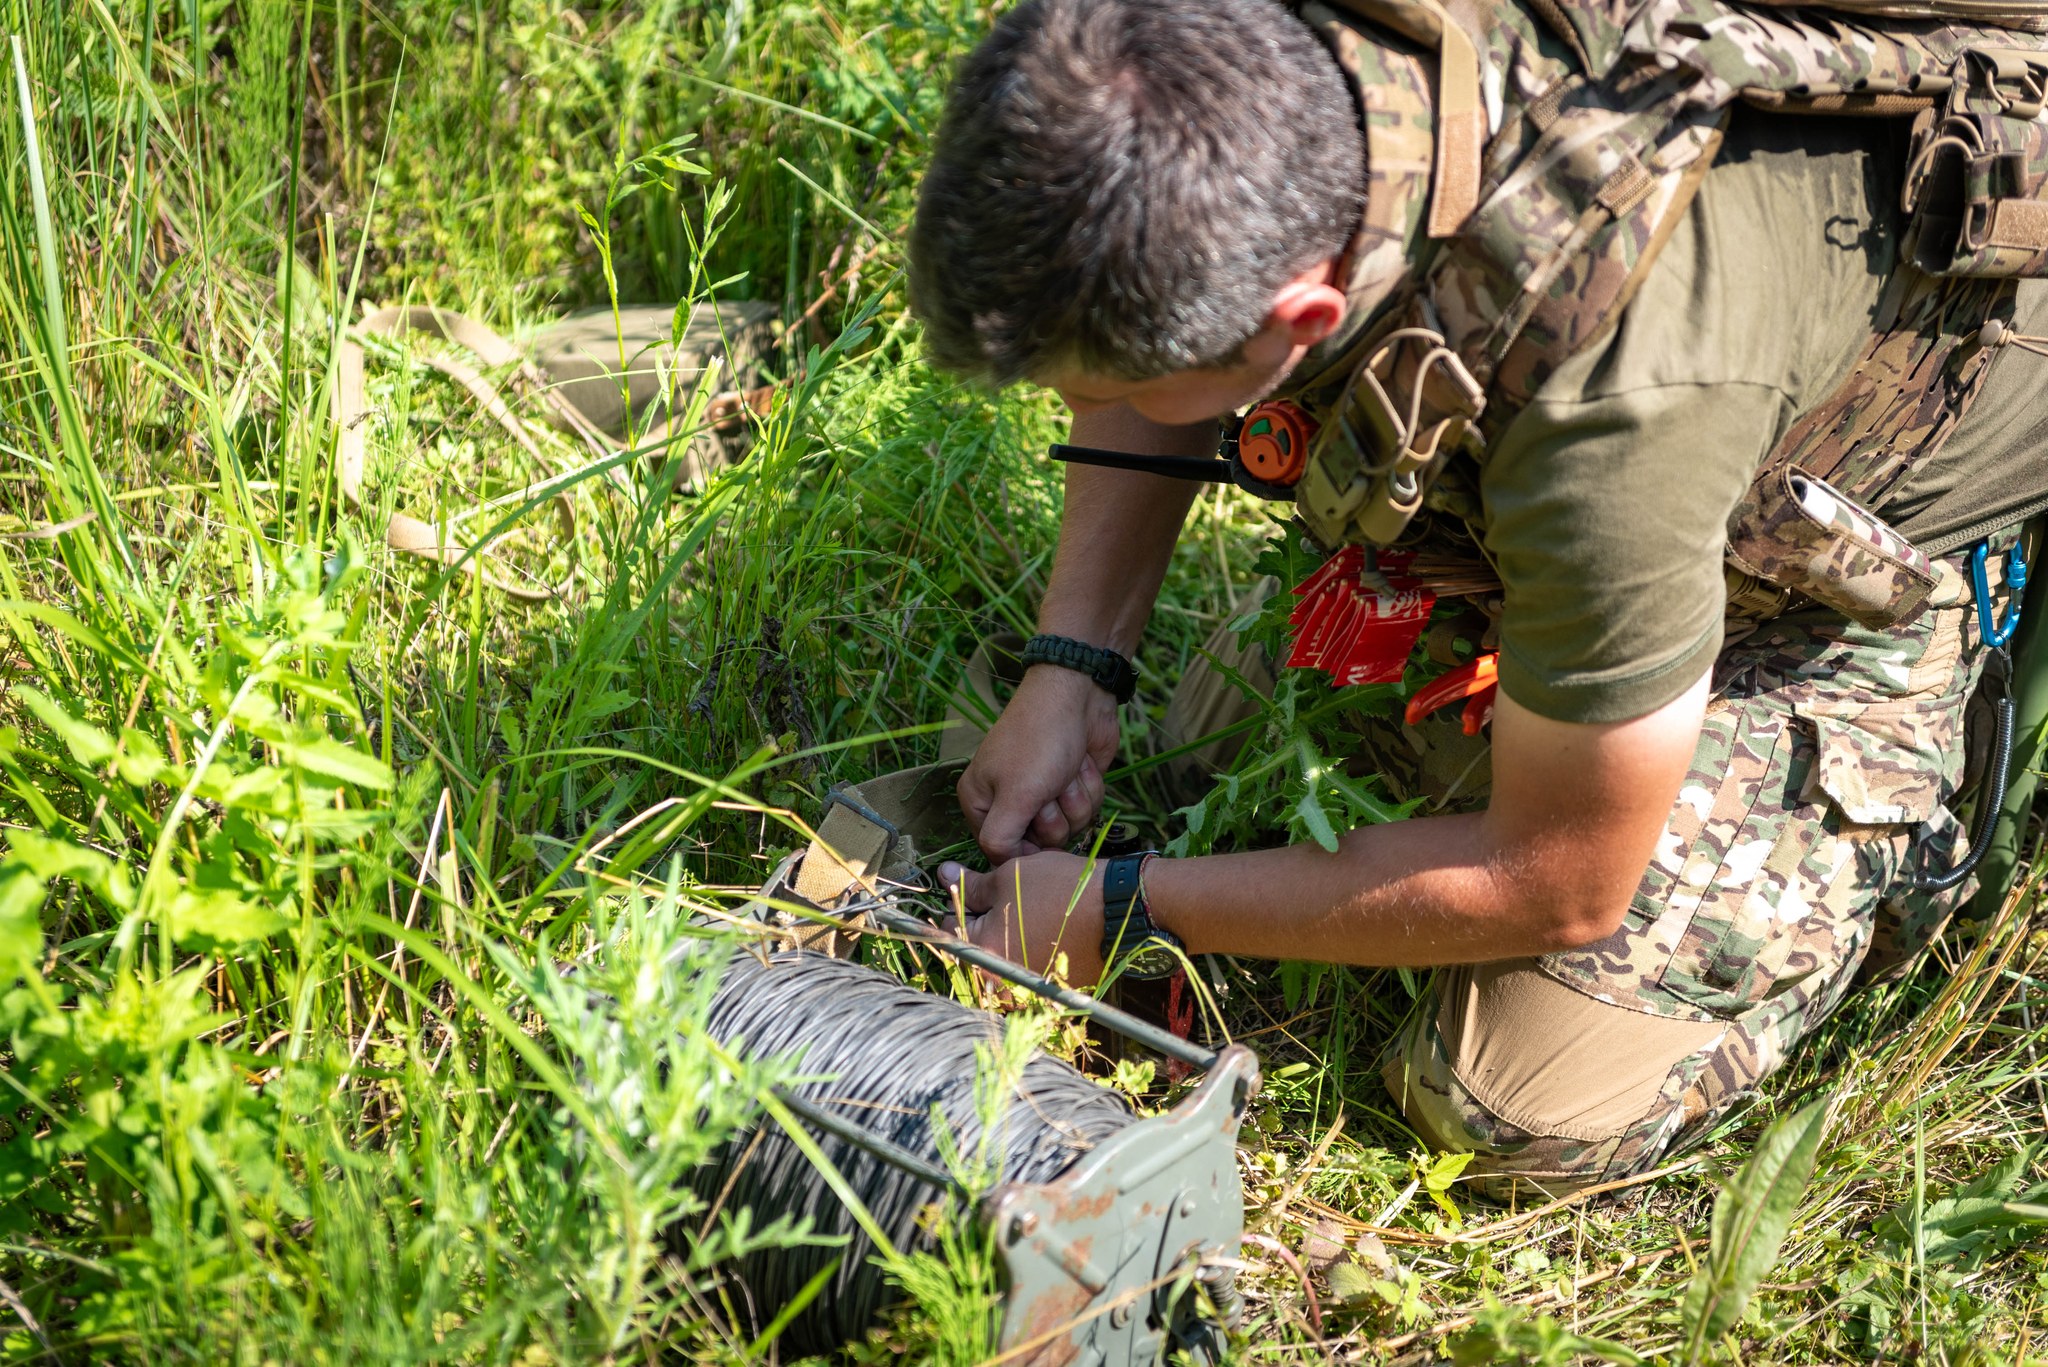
(1704, 802)
(1782, 877)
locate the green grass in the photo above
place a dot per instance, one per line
(296, 829)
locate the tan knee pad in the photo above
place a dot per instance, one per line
(1543, 1082)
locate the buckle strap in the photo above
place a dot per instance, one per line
(870, 831)
(1415, 399)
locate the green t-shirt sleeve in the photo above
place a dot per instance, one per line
(1613, 562)
(1607, 498)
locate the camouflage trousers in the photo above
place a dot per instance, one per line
(1821, 784)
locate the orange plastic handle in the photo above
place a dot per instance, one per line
(1466, 681)
(1272, 445)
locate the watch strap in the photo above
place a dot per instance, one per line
(1126, 921)
(1112, 672)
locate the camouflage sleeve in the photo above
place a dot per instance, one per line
(1607, 518)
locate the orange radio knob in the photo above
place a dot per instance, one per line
(1273, 443)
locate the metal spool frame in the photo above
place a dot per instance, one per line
(1128, 1254)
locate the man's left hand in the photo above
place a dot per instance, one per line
(1035, 909)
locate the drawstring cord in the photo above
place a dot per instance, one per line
(1996, 334)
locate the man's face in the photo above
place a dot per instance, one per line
(1184, 397)
(1305, 311)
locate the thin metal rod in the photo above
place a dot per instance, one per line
(1206, 469)
(1123, 1022)
(895, 1155)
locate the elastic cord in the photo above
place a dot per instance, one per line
(1989, 793)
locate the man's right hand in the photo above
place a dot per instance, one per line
(1037, 777)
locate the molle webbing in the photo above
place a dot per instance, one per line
(1460, 115)
(2030, 16)
(1608, 118)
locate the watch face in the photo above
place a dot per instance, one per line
(1152, 957)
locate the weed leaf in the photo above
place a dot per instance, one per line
(1751, 1217)
(1349, 1282)
(331, 759)
(1980, 1215)
(218, 918)
(1316, 821)
(1506, 1333)
(87, 744)
(1437, 1178)
(21, 932)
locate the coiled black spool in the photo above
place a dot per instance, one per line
(887, 1055)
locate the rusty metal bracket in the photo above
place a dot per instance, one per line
(1126, 1257)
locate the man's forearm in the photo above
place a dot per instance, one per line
(1118, 530)
(1415, 893)
(1551, 864)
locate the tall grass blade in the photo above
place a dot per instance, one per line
(1751, 1218)
(39, 196)
(54, 357)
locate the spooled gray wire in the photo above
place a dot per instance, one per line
(885, 1057)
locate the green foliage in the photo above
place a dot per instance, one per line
(1752, 1215)
(656, 1097)
(1291, 777)
(1438, 1173)
(1506, 1334)
(1391, 1297)
(952, 1296)
(1983, 1215)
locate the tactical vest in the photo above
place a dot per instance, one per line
(1525, 167)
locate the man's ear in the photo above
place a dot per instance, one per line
(1309, 307)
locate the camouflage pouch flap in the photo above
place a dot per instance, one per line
(1879, 763)
(1800, 533)
(1977, 186)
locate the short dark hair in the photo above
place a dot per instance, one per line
(1122, 186)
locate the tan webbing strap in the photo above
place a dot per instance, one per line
(1461, 133)
(849, 849)
(1461, 129)
(410, 535)
(880, 829)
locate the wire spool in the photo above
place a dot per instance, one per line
(886, 1058)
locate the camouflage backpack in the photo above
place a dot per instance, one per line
(1517, 199)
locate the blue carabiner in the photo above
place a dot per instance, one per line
(1994, 632)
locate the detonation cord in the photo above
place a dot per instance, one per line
(924, 932)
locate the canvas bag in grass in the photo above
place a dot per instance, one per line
(590, 373)
(1521, 186)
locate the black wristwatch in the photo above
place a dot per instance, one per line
(1109, 669)
(1129, 935)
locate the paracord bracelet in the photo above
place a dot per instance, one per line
(1109, 670)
